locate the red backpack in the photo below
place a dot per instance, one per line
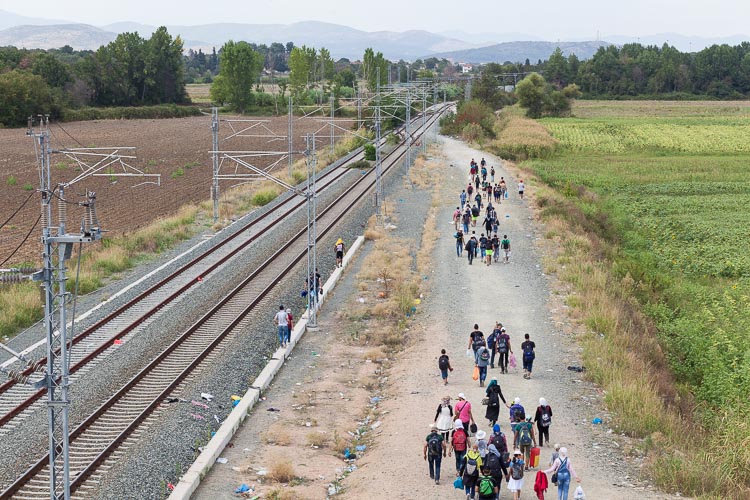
(459, 440)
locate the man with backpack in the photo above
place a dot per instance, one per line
(459, 236)
(503, 348)
(483, 359)
(434, 451)
(471, 248)
(444, 364)
(505, 247)
(487, 487)
(525, 438)
(462, 197)
(527, 347)
(459, 444)
(543, 419)
(465, 220)
(470, 470)
(500, 442)
(492, 344)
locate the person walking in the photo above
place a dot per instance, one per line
(524, 438)
(462, 197)
(543, 419)
(505, 247)
(444, 418)
(339, 247)
(492, 174)
(459, 236)
(282, 325)
(482, 444)
(487, 486)
(483, 241)
(457, 217)
(499, 441)
(482, 361)
(459, 443)
(517, 412)
(521, 188)
(470, 471)
(494, 463)
(527, 347)
(466, 220)
(434, 451)
(494, 395)
(463, 412)
(503, 349)
(492, 344)
(564, 470)
(516, 474)
(471, 249)
(476, 340)
(444, 364)
(289, 325)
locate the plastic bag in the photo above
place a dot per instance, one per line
(579, 494)
(458, 483)
(475, 375)
(469, 353)
(512, 361)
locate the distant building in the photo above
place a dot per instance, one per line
(465, 67)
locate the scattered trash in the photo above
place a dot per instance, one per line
(579, 494)
(374, 400)
(376, 425)
(361, 300)
(332, 490)
(578, 369)
(263, 398)
(596, 421)
(348, 455)
(235, 400)
(351, 468)
(242, 488)
(262, 472)
(313, 353)
(173, 400)
(273, 409)
(417, 301)
(308, 424)
(199, 404)
(507, 216)
(197, 417)
(118, 342)
(170, 486)
(208, 397)
(361, 447)
(213, 433)
(221, 460)
(216, 417)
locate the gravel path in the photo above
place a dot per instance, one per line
(518, 295)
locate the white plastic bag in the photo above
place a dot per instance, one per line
(469, 353)
(579, 494)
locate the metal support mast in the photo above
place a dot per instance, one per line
(215, 160)
(312, 234)
(378, 165)
(408, 128)
(290, 135)
(424, 120)
(467, 91)
(331, 128)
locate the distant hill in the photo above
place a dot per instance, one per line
(341, 41)
(9, 19)
(78, 36)
(520, 51)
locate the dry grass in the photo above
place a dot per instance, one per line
(340, 442)
(317, 438)
(519, 138)
(281, 494)
(20, 306)
(277, 434)
(374, 354)
(281, 470)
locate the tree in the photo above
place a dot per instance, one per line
(23, 94)
(299, 70)
(164, 78)
(532, 94)
(239, 67)
(326, 64)
(556, 70)
(54, 73)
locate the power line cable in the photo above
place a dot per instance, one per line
(24, 240)
(17, 210)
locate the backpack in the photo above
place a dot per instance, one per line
(484, 355)
(500, 443)
(493, 463)
(505, 244)
(524, 434)
(519, 414)
(340, 247)
(459, 440)
(471, 466)
(528, 352)
(492, 339)
(434, 445)
(516, 470)
(486, 487)
(546, 418)
(502, 344)
(443, 362)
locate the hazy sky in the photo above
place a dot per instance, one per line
(549, 19)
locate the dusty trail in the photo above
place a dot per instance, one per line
(518, 296)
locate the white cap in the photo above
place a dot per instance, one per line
(461, 395)
(517, 401)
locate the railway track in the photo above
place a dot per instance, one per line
(109, 431)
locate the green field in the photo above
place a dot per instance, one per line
(675, 187)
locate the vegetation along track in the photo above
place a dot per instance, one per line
(114, 422)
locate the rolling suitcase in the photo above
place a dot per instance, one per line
(534, 458)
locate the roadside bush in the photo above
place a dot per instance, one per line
(469, 112)
(264, 197)
(130, 113)
(370, 152)
(472, 132)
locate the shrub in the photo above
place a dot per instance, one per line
(281, 470)
(360, 164)
(12, 181)
(28, 187)
(131, 113)
(472, 132)
(370, 152)
(264, 197)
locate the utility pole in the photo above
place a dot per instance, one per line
(467, 90)
(290, 135)
(424, 119)
(378, 166)
(331, 125)
(408, 127)
(359, 107)
(312, 233)
(58, 246)
(215, 160)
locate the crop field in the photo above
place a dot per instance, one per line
(676, 185)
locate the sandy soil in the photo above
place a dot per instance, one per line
(518, 295)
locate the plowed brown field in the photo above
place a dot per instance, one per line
(163, 146)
